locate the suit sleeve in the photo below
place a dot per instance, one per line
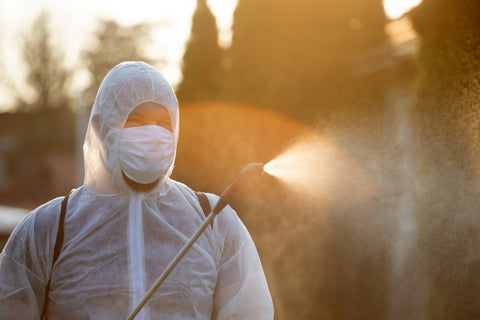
(241, 291)
(25, 265)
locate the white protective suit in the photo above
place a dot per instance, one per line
(117, 242)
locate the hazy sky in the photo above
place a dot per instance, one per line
(74, 20)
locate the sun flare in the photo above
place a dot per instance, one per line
(394, 9)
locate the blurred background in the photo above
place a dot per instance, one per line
(373, 105)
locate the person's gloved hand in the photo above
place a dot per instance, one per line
(250, 176)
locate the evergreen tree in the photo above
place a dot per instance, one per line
(447, 119)
(201, 67)
(299, 56)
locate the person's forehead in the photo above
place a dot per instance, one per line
(149, 108)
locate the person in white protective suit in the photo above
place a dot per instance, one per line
(126, 223)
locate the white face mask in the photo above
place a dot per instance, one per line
(146, 153)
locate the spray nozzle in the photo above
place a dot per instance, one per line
(250, 172)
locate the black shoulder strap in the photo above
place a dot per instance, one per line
(205, 204)
(57, 249)
(59, 241)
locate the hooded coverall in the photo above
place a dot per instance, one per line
(117, 241)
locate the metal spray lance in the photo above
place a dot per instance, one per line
(250, 171)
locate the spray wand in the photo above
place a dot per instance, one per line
(251, 170)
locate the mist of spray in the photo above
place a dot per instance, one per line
(322, 172)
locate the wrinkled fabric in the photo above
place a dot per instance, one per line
(117, 242)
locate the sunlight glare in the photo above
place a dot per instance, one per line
(223, 11)
(394, 9)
